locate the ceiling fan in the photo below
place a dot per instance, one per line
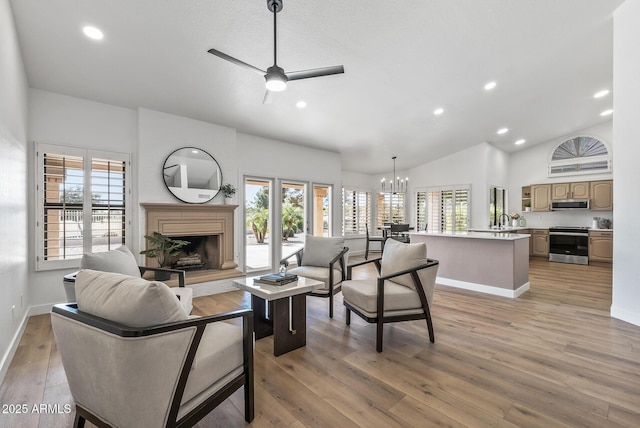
(276, 78)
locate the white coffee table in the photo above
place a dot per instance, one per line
(280, 310)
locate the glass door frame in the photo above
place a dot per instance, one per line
(270, 224)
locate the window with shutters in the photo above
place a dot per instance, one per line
(421, 210)
(391, 208)
(580, 155)
(357, 211)
(448, 208)
(82, 204)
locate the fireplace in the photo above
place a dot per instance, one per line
(208, 228)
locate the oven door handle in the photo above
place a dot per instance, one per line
(568, 234)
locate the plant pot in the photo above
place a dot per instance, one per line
(514, 222)
(228, 201)
(527, 209)
(161, 276)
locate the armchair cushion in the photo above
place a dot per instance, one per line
(121, 260)
(363, 294)
(219, 354)
(319, 274)
(319, 251)
(398, 256)
(129, 300)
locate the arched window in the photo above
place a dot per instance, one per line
(580, 155)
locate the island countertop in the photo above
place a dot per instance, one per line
(497, 235)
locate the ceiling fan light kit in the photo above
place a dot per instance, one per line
(275, 77)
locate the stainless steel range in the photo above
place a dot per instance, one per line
(569, 244)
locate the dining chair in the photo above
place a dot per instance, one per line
(380, 239)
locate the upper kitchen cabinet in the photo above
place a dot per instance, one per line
(578, 190)
(540, 197)
(602, 195)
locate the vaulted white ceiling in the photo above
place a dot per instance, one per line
(402, 60)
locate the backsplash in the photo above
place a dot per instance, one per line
(566, 218)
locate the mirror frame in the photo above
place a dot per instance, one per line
(184, 197)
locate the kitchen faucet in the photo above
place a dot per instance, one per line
(500, 218)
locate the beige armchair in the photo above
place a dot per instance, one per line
(322, 259)
(121, 260)
(134, 358)
(402, 292)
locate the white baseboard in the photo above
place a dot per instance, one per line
(15, 341)
(487, 289)
(625, 315)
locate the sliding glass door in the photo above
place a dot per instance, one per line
(258, 219)
(294, 222)
(321, 215)
(274, 230)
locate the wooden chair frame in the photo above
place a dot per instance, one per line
(380, 319)
(332, 289)
(246, 378)
(380, 239)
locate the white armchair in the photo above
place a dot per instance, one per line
(134, 358)
(402, 292)
(322, 259)
(121, 260)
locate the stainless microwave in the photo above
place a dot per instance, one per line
(570, 204)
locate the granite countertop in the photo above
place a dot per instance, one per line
(494, 235)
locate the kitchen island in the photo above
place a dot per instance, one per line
(493, 263)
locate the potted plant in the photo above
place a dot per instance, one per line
(527, 206)
(161, 247)
(228, 190)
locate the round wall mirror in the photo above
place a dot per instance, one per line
(192, 175)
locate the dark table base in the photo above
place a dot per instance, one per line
(286, 337)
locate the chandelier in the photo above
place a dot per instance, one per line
(395, 185)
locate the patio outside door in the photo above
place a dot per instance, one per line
(295, 223)
(321, 210)
(258, 219)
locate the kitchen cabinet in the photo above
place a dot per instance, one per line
(540, 197)
(601, 195)
(540, 242)
(600, 246)
(577, 190)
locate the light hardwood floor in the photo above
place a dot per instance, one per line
(552, 357)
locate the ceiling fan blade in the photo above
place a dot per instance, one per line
(316, 72)
(236, 61)
(268, 97)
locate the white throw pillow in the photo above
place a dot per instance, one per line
(120, 260)
(319, 251)
(129, 300)
(398, 256)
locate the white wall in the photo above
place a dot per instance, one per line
(13, 188)
(60, 119)
(626, 129)
(469, 166)
(529, 166)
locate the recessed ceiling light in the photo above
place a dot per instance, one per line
(93, 32)
(601, 94)
(438, 111)
(606, 112)
(503, 131)
(489, 86)
(301, 104)
(520, 141)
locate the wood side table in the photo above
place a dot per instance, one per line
(280, 310)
